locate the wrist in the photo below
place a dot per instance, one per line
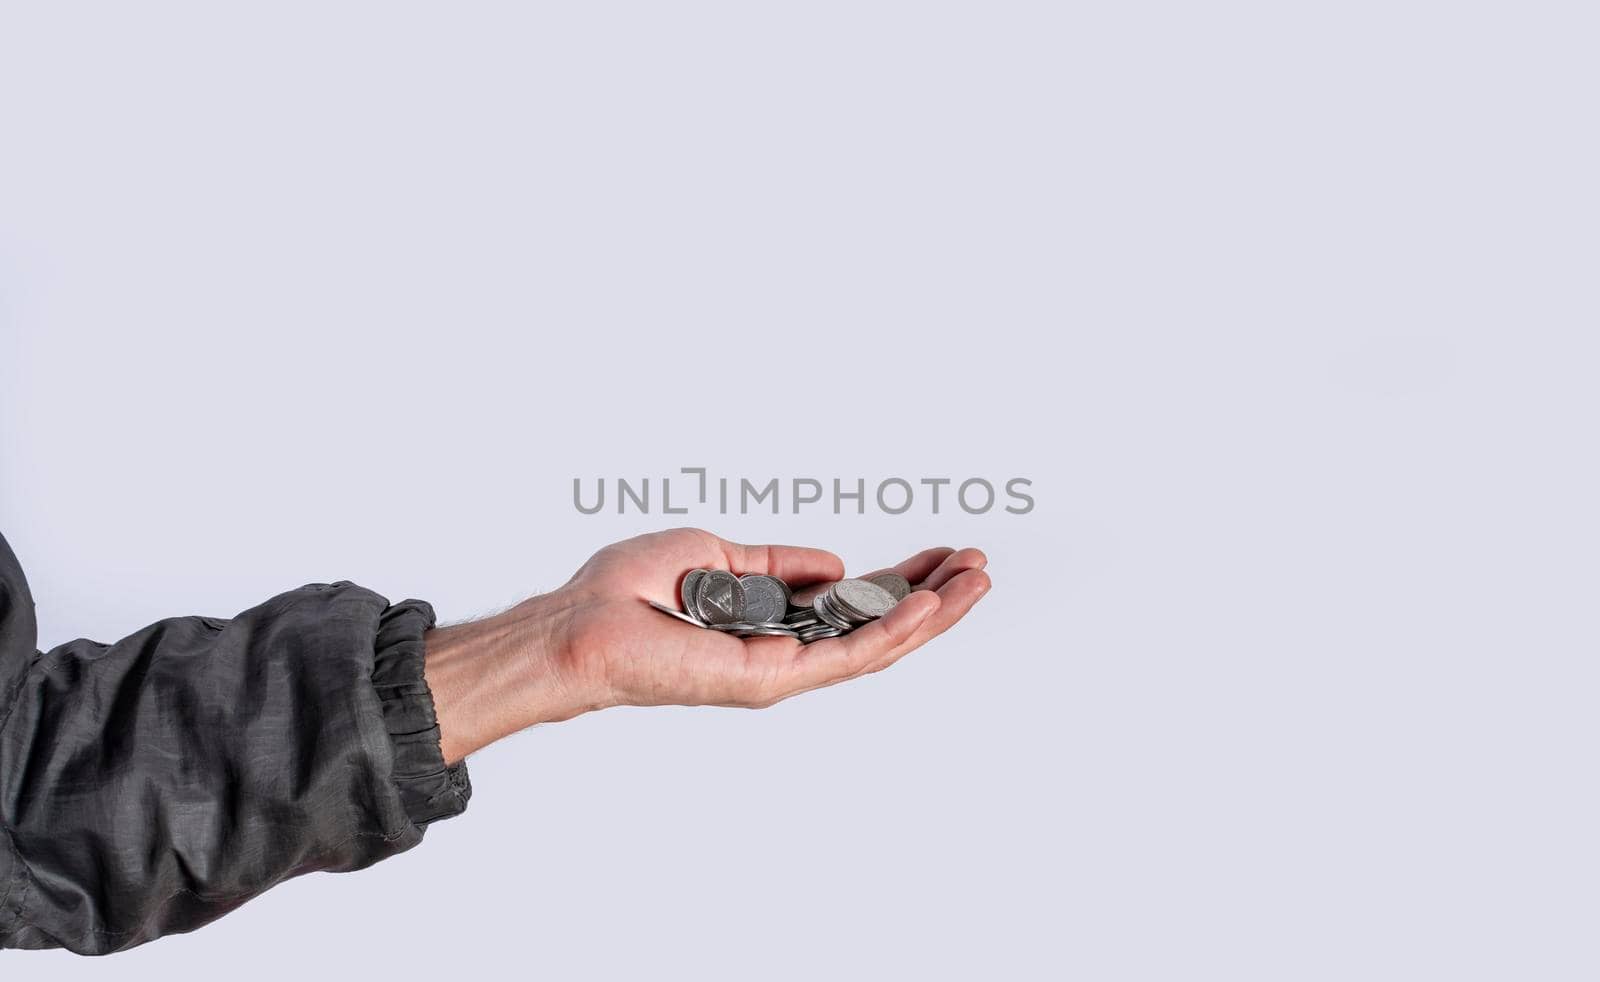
(495, 676)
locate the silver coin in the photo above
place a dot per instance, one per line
(893, 583)
(821, 611)
(747, 629)
(680, 615)
(825, 613)
(851, 617)
(768, 631)
(807, 637)
(719, 597)
(686, 591)
(805, 596)
(766, 598)
(786, 591)
(861, 600)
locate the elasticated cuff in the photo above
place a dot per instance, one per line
(429, 790)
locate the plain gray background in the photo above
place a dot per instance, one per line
(1288, 310)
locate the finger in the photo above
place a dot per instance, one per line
(952, 566)
(970, 587)
(956, 598)
(835, 659)
(792, 564)
(917, 568)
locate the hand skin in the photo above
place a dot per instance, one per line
(595, 643)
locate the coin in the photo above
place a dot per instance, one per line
(803, 597)
(861, 600)
(823, 605)
(719, 597)
(893, 583)
(820, 633)
(746, 629)
(769, 631)
(680, 615)
(766, 598)
(686, 591)
(759, 605)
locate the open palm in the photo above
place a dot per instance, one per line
(613, 643)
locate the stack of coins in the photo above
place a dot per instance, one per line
(833, 609)
(758, 606)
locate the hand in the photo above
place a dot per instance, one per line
(595, 642)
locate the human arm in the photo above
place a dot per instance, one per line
(152, 785)
(149, 786)
(594, 642)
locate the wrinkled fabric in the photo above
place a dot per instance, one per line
(150, 786)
